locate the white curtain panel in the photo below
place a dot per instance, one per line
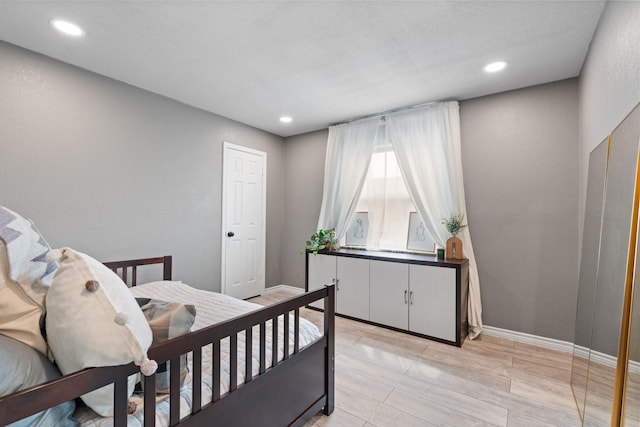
(349, 150)
(427, 145)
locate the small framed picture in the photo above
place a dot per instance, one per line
(418, 239)
(358, 230)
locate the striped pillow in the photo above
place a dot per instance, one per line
(168, 320)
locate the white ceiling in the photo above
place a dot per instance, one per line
(321, 62)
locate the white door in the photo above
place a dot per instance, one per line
(243, 221)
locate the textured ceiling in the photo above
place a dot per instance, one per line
(319, 62)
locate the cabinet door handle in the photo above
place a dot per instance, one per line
(405, 296)
(336, 281)
(410, 297)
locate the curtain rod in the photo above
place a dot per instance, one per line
(384, 113)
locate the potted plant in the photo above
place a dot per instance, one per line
(323, 239)
(454, 225)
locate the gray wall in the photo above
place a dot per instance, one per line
(304, 169)
(519, 152)
(609, 81)
(119, 172)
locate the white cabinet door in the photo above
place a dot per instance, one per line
(432, 302)
(352, 298)
(322, 271)
(389, 287)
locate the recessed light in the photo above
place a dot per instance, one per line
(286, 119)
(66, 27)
(495, 66)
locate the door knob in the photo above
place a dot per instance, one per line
(231, 234)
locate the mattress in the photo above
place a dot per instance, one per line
(211, 308)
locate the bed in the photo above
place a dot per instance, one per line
(289, 382)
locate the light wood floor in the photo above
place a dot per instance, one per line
(387, 378)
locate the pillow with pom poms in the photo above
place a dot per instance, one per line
(93, 320)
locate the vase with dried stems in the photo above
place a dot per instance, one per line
(454, 225)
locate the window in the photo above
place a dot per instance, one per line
(387, 201)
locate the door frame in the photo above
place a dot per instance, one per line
(226, 147)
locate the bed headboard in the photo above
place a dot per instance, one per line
(122, 268)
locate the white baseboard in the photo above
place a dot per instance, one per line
(283, 287)
(551, 343)
(564, 346)
(605, 359)
(597, 357)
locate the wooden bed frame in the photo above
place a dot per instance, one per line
(287, 393)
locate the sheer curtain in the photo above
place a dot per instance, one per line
(427, 145)
(349, 150)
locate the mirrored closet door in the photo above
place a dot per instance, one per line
(603, 317)
(631, 407)
(588, 272)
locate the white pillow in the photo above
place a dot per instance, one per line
(93, 320)
(19, 315)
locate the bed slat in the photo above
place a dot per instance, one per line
(120, 397)
(174, 391)
(263, 351)
(233, 363)
(216, 370)
(248, 355)
(197, 380)
(149, 400)
(274, 341)
(296, 331)
(285, 334)
(329, 359)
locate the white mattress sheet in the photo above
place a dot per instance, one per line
(211, 308)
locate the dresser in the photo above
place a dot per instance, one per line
(407, 292)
